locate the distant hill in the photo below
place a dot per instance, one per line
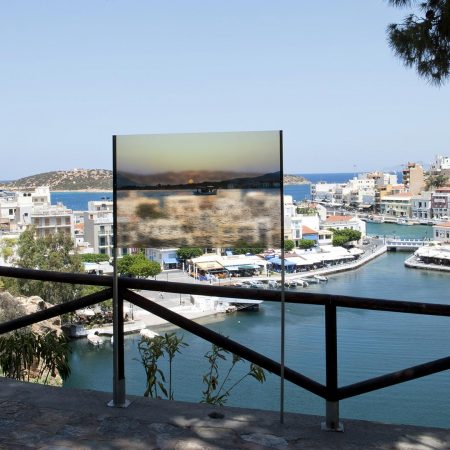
(86, 180)
(66, 180)
(294, 179)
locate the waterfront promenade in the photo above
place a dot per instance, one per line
(183, 306)
(49, 418)
(415, 263)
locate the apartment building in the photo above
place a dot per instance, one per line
(414, 178)
(440, 203)
(421, 207)
(345, 222)
(440, 166)
(20, 209)
(441, 232)
(166, 257)
(52, 219)
(98, 226)
(396, 205)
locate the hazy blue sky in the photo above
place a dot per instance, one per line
(74, 73)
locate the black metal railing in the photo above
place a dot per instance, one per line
(331, 392)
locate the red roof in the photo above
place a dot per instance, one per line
(445, 224)
(339, 218)
(307, 230)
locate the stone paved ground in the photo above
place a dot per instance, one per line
(47, 418)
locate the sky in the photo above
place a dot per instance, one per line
(75, 73)
(250, 152)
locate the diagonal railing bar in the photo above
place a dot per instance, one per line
(390, 379)
(57, 310)
(225, 343)
(331, 393)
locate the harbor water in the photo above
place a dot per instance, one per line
(369, 344)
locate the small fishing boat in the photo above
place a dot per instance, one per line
(302, 283)
(94, 338)
(146, 333)
(206, 190)
(320, 278)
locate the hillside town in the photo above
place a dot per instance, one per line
(311, 226)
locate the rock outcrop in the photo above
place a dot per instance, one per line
(12, 307)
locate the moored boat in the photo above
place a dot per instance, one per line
(94, 338)
(206, 190)
(149, 334)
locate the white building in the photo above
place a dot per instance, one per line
(441, 232)
(166, 257)
(440, 203)
(98, 226)
(297, 217)
(396, 205)
(52, 219)
(326, 192)
(345, 222)
(421, 207)
(440, 166)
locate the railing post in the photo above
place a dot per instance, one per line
(332, 405)
(119, 400)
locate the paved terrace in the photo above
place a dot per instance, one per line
(41, 417)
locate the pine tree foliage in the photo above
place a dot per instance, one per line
(423, 41)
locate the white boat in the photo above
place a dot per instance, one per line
(302, 283)
(146, 333)
(273, 284)
(94, 338)
(320, 278)
(403, 221)
(311, 280)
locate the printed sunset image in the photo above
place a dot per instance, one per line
(208, 190)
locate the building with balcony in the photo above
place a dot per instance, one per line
(98, 226)
(440, 203)
(166, 257)
(421, 207)
(52, 219)
(414, 178)
(441, 232)
(396, 205)
(345, 222)
(440, 166)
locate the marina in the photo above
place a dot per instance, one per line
(370, 343)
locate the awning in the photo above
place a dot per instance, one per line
(170, 261)
(249, 266)
(209, 265)
(232, 268)
(277, 261)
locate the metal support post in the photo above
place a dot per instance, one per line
(119, 400)
(332, 405)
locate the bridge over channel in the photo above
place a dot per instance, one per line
(405, 244)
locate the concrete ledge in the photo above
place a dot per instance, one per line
(413, 263)
(34, 416)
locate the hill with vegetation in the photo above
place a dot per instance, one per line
(294, 179)
(66, 180)
(86, 180)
